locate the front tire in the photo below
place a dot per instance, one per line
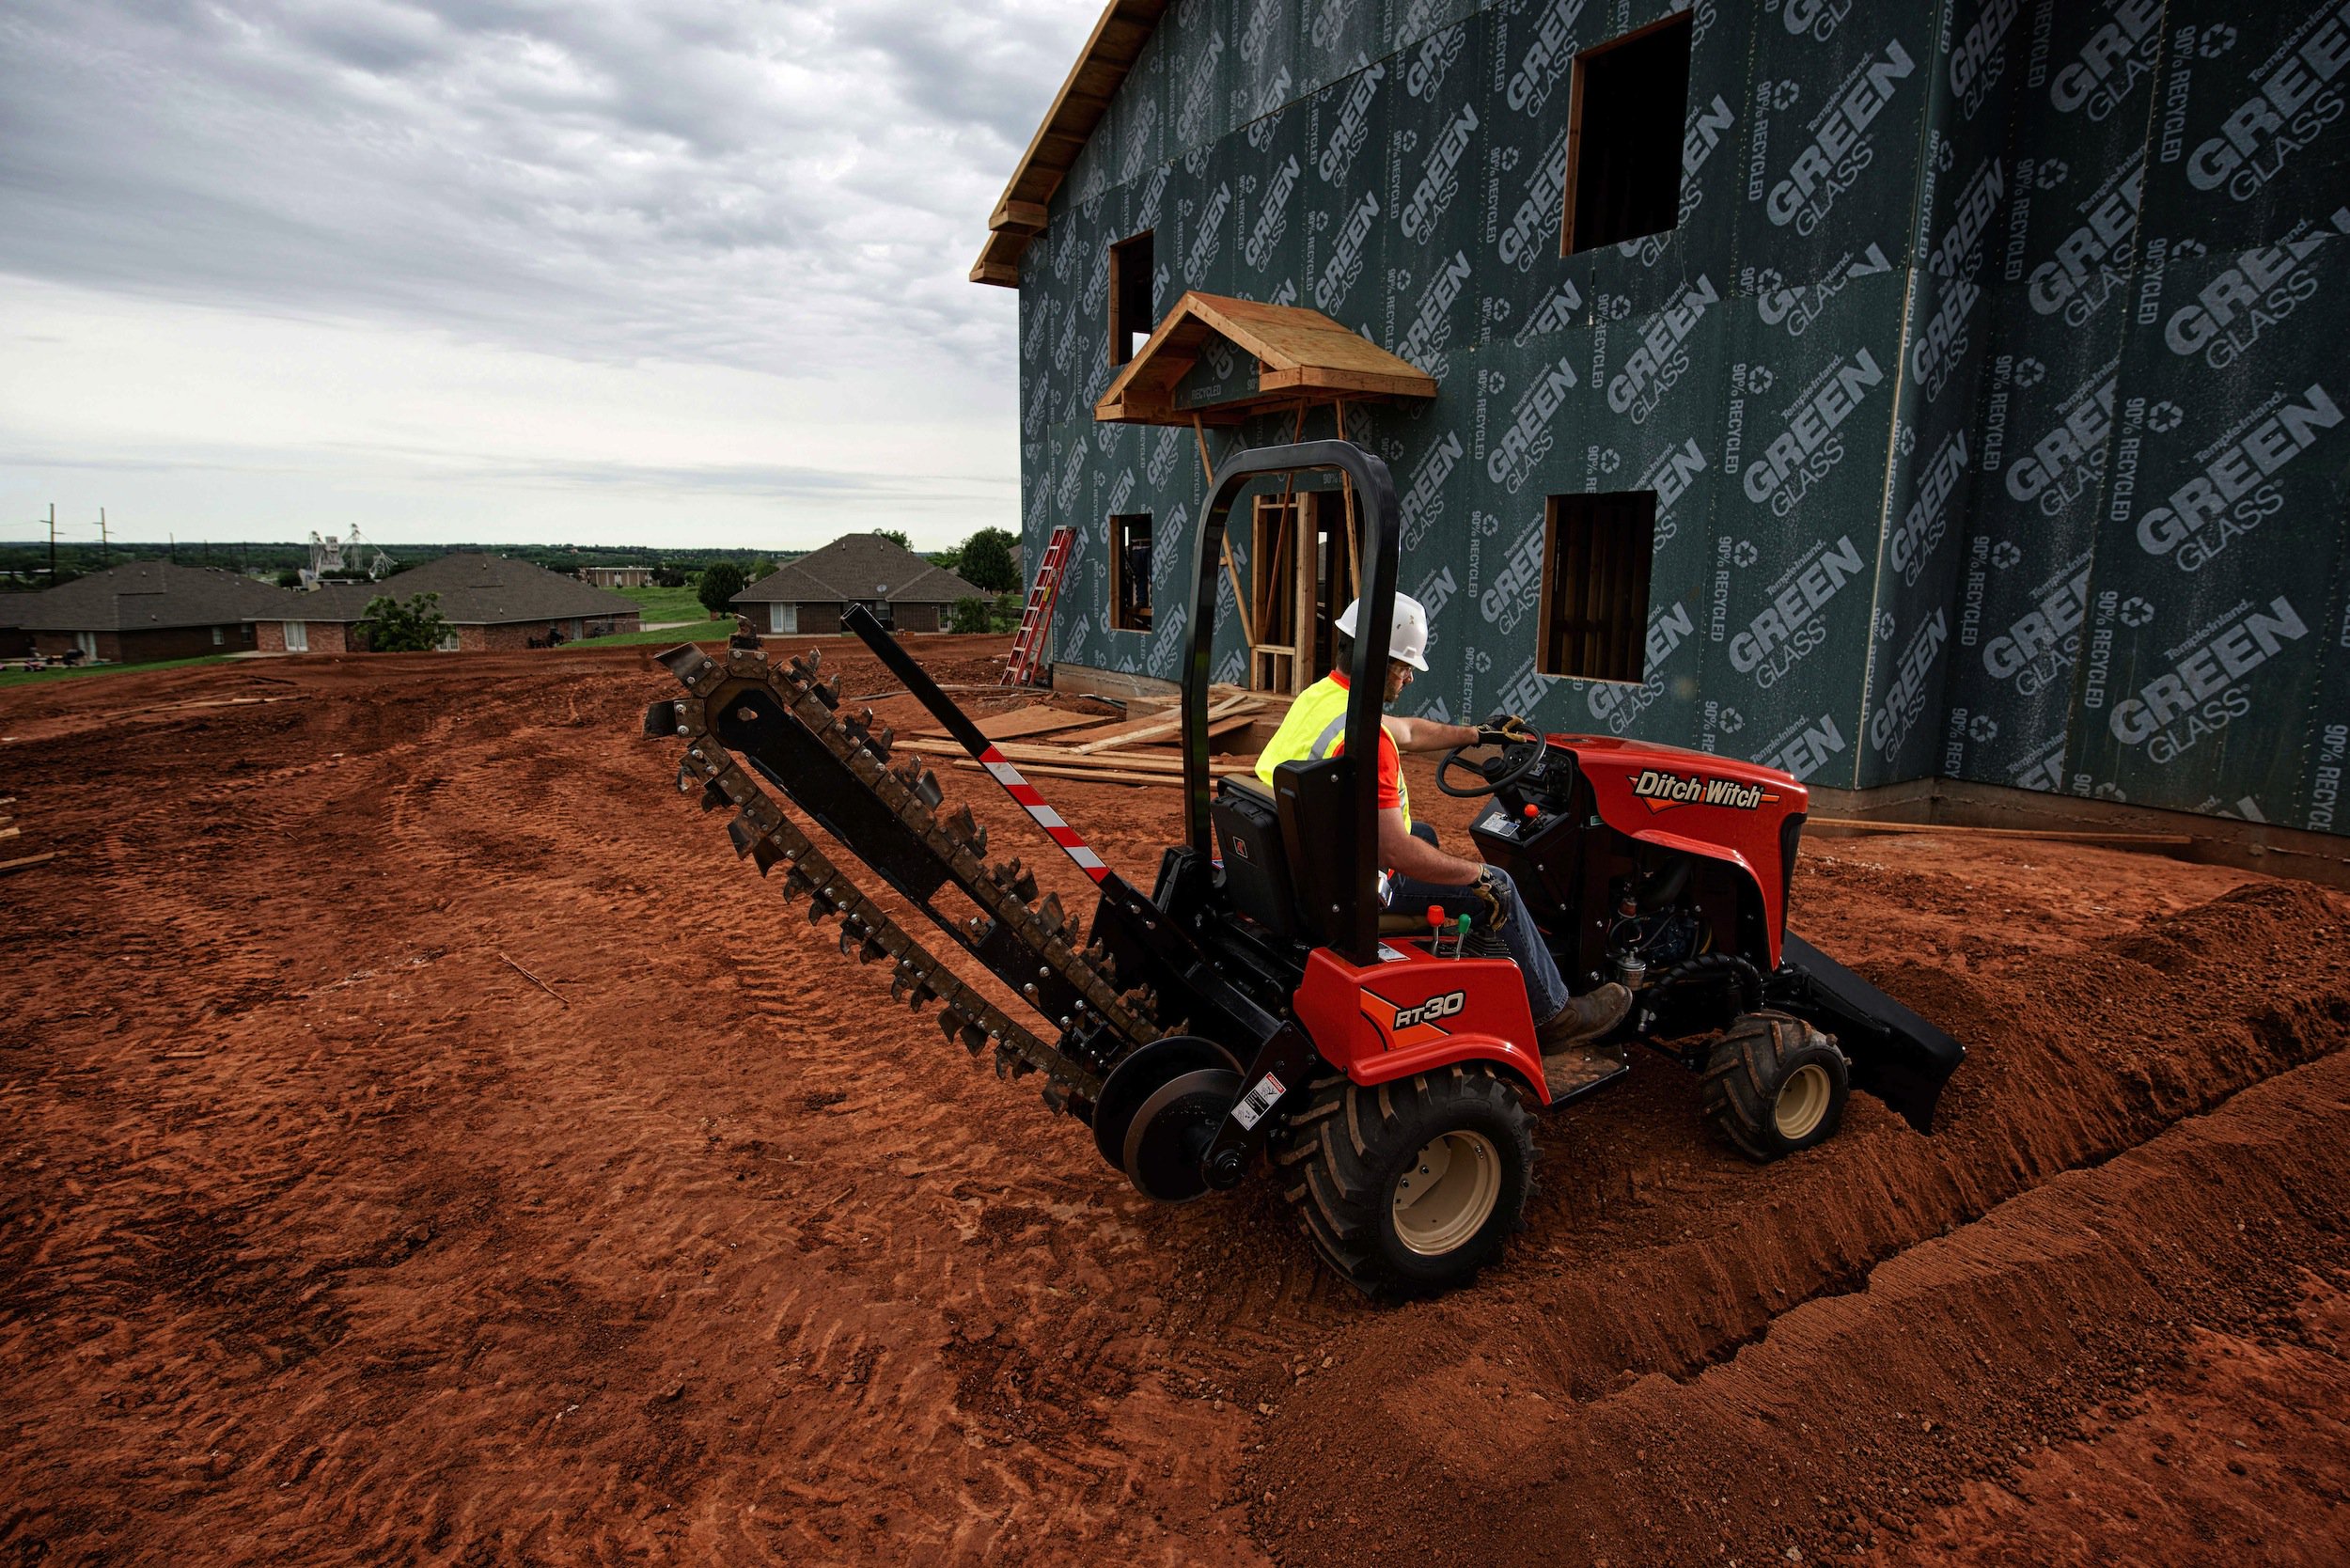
(1774, 1085)
(1408, 1188)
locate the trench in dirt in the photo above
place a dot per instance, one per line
(720, 1251)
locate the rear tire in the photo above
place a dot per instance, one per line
(1774, 1085)
(1407, 1189)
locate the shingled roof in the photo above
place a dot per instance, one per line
(146, 596)
(476, 590)
(859, 566)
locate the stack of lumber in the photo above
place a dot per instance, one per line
(1142, 750)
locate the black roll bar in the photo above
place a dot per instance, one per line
(1374, 491)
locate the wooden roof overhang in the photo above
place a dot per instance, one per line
(1301, 357)
(1019, 217)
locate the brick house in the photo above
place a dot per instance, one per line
(489, 602)
(811, 594)
(145, 610)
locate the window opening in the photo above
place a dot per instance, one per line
(1131, 318)
(1130, 571)
(1624, 137)
(1596, 570)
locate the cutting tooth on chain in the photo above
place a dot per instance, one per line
(1016, 880)
(917, 977)
(1007, 894)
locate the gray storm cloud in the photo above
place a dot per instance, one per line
(772, 187)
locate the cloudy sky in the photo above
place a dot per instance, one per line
(659, 272)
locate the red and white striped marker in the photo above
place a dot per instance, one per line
(1046, 818)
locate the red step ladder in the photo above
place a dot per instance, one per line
(1027, 649)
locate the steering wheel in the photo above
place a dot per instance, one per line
(1518, 759)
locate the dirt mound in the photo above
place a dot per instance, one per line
(427, 1143)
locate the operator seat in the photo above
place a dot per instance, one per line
(1289, 863)
(1256, 862)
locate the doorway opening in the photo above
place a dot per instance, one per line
(1302, 568)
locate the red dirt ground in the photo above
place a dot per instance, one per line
(332, 1236)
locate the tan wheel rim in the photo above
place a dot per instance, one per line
(1447, 1193)
(1802, 1102)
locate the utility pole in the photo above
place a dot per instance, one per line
(52, 545)
(104, 559)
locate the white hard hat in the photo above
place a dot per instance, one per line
(1407, 639)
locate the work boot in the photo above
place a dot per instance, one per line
(1584, 1017)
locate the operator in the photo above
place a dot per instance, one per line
(1420, 873)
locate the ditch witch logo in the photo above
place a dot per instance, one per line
(1660, 791)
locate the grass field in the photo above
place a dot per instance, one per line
(707, 631)
(666, 604)
(27, 677)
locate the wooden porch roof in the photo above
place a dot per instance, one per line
(1301, 354)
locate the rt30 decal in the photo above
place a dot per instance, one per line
(1409, 1026)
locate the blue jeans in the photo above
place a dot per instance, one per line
(1545, 988)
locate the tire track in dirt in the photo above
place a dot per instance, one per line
(1675, 1280)
(1041, 1398)
(1957, 1355)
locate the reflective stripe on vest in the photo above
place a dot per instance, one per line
(1315, 728)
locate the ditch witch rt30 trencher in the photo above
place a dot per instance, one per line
(1257, 1002)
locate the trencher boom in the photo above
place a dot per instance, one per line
(1257, 1008)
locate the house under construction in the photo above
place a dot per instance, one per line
(1944, 397)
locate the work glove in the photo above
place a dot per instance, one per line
(1486, 889)
(1507, 730)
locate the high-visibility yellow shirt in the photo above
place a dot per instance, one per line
(1315, 728)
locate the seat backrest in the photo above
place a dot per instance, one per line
(1256, 865)
(1317, 812)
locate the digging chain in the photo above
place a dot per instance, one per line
(1006, 891)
